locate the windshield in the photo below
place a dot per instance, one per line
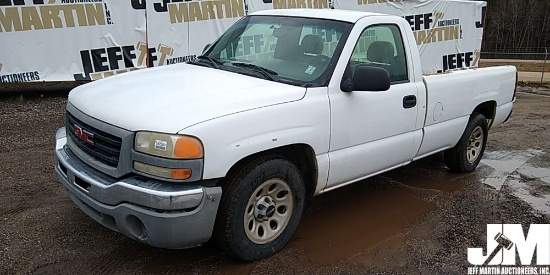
(292, 50)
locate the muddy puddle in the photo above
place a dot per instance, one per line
(516, 172)
(348, 223)
(356, 219)
(535, 195)
(373, 214)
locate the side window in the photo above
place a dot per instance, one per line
(381, 46)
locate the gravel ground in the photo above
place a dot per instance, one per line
(417, 219)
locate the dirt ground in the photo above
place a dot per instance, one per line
(531, 71)
(419, 219)
(521, 65)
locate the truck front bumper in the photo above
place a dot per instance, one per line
(156, 213)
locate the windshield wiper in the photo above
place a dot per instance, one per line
(264, 71)
(216, 63)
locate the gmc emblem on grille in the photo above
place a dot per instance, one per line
(83, 134)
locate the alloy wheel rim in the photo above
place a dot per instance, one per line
(475, 144)
(268, 211)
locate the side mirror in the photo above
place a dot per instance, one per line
(367, 78)
(206, 48)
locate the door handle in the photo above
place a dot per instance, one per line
(409, 101)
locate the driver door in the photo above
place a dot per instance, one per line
(373, 131)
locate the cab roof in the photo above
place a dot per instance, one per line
(332, 14)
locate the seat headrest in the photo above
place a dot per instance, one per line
(380, 51)
(312, 43)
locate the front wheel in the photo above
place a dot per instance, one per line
(467, 153)
(261, 208)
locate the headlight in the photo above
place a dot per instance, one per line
(168, 146)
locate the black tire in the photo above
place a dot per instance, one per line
(240, 192)
(460, 158)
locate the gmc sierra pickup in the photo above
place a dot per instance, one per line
(285, 105)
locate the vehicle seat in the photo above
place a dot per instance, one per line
(381, 53)
(311, 44)
(310, 49)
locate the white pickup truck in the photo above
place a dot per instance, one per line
(285, 105)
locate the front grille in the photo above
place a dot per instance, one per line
(105, 147)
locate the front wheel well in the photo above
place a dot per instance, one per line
(301, 155)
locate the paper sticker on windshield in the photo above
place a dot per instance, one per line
(310, 70)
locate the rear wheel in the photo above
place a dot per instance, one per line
(261, 208)
(467, 153)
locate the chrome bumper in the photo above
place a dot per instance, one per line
(157, 213)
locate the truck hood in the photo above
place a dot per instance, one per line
(170, 98)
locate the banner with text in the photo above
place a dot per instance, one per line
(66, 40)
(179, 30)
(448, 33)
(258, 5)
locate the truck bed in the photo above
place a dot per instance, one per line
(448, 109)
